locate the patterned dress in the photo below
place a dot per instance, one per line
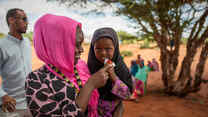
(50, 96)
(107, 108)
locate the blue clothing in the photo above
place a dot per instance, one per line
(134, 69)
(15, 65)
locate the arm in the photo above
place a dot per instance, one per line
(120, 89)
(2, 92)
(85, 92)
(97, 80)
(8, 103)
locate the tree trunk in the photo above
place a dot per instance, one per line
(169, 61)
(200, 68)
(183, 85)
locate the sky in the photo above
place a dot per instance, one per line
(36, 8)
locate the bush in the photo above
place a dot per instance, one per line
(126, 53)
(2, 35)
(146, 44)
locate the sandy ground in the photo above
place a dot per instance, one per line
(155, 103)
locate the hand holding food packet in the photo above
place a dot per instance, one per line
(110, 71)
(108, 61)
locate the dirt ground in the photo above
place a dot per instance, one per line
(155, 103)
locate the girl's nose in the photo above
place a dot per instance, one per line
(103, 52)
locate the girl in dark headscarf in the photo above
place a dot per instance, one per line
(119, 85)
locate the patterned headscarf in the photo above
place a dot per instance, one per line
(121, 69)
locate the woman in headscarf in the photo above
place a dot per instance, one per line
(63, 86)
(119, 85)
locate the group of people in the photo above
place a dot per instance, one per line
(140, 72)
(65, 86)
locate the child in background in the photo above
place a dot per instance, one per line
(142, 74)
(138, 84)
(155, 65)
(149, 64)
(139, 59)
(134, 67)
(119, 85)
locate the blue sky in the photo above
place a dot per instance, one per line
(36, 8)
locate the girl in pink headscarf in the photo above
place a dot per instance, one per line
(63, 86)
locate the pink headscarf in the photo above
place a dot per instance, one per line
(54, 43)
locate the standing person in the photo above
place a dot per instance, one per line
(150, 65)
(119, 85)
(63, 86)
(15, 64)
(155, 65)
(142, 74)
(139, 59)
(134, 67)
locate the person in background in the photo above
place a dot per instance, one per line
(155, 65)
(119, 86)
(15, 65)
(139, 59)
(63, 86)
(134, 67)
(149, 64)
(142, 74)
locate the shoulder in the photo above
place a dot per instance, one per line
(4, 42)
(82, 67)
(4, 45)
(42, 71)
(81, 64)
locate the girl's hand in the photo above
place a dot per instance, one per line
(111, 70)
(99, 78)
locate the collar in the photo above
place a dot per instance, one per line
(14, 38)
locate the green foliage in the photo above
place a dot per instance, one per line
(126, 53)
(2, 35)
(206, 40)
(126, 37)
(29, 36)
(146, 44)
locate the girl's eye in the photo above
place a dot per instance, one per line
(108, 49)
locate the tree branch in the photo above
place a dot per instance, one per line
(152, 22)
(143, 27)
(200, 22)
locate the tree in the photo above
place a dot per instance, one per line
(125, 36)
(167, 21)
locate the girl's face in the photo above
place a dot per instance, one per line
(78, 47)
(104, 48)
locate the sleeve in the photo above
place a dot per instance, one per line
(2, 92)
(44, 100)
(121, 90)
